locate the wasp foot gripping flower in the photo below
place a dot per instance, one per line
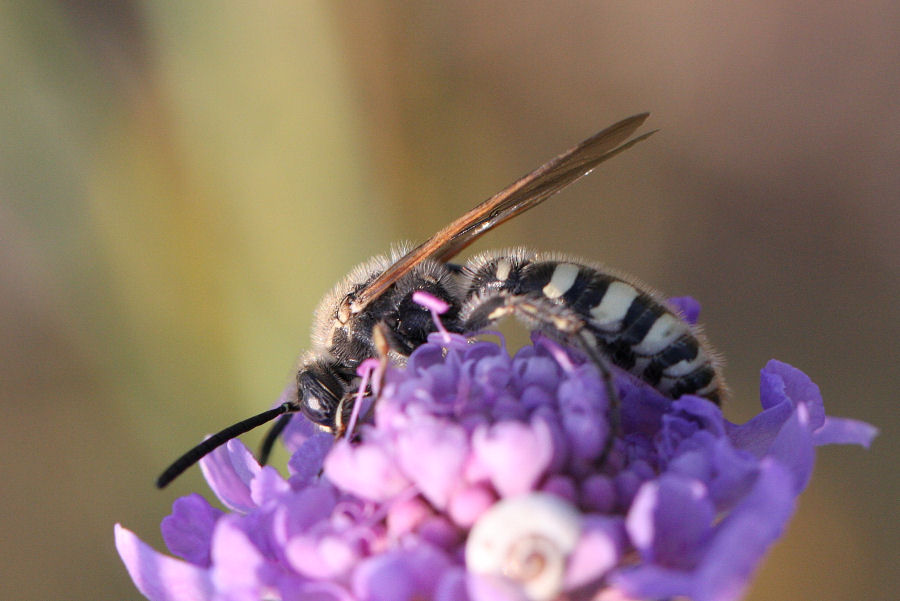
(485, 477)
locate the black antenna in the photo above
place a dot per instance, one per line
(217, 440)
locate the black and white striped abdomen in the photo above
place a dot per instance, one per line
(633, 327)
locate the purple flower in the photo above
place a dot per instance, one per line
(485, 477)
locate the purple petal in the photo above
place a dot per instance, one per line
(599, 549)
(598, 494)
(736, 547)
(493, 372)
(734, 472)
(367, 470)
(582, 403)
(513, 454)
(432, 454)
(743, 538)
(837, 430)
(423, 358)
(236, 561)
(793, 448)
(400, 575)
(158, 577)
(405, 516)
(188, 530)
(562, 487)
(440, 532)
(229, 470)
(756, 435)
(670, 519)
(302, 510)
(535, 370)
(781, 381)
(322, 557)
(627, 484)
(467, 504)
(688, 306)
(268, 486)
(308, 458)
(293, 588)
(650, 581)
(452, 586)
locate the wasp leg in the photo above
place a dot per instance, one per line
(265, 449)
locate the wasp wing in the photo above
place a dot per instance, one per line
(522, 195)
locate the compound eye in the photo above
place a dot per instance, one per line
(320, 393)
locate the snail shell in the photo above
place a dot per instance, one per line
(526, 539)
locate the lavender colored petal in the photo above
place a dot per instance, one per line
(367, 470)
(837, 430)
(641, 408)
(796, 386)
(307, 534)
(229, 470)
(756, 435)
(513, 454)
(670, 519)
(793, 448)
(599, 549)
(307, 459)
(562, 487)
(741, 540)
(327, 556)
(734, 472)
(268, 486)
(293, 588)
(481, 349)
(301, 510)
(400, 575)
(432, 454)
(236, 562)
(703, 412)
(158, 577)
(582, 403)
(405, 515)
(732, 553)
(452, 586)
(533, 369)
(650, 581)
(187, 532)
(627, 484)
(440, 532)
(469, 502)
(688, 306)
(598, 493)
(423, 358)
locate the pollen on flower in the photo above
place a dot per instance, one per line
(482, 476)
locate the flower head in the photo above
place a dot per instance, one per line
(487, 477)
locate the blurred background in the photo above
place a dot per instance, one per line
(181, 182)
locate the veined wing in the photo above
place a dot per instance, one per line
(524, 194)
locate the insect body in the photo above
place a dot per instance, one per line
(609, 318)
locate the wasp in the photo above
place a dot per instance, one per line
(612, 319)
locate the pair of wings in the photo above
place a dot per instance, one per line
(524, 194)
